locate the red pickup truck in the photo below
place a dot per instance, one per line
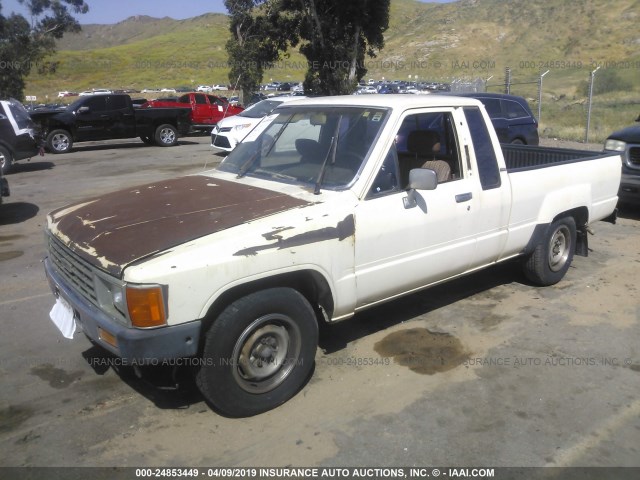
(206, 110)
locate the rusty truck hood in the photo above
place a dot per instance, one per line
(116, 229)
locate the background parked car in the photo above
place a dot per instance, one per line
(19, 136)
(231, 130)
(206, 110)
(627, 142)
(511, 117)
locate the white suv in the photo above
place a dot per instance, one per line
(231, 130)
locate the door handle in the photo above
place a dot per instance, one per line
(464, 197)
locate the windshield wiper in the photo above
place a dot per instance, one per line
(331, 154)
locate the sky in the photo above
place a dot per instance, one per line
(114, 11)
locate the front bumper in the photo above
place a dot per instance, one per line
(133, 345)
(222, 140)
(629, 188)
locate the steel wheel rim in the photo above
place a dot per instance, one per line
(60, 142)
(167, 135)
(3, 160)
(559, 248)
(265, 353)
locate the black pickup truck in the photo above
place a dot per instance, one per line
(106, 117)
(627, 142)
(19, 137)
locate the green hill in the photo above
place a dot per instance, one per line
(462, 41)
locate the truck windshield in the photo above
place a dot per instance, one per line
(318, 146)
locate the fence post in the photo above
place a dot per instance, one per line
(540, 96)
(591, 79)
(507, 80)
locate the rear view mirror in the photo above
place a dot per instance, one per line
(419, 179)
(318, 119)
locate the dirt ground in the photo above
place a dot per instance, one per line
(500, 373)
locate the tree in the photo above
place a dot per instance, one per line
(258, 36)
(335, 37)
(24, 45)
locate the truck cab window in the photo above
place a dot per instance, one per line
(483, 146)
(119, 102)
(428, 140)
(97, 103)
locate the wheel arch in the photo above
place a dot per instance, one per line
(580, 216)
(310, 283)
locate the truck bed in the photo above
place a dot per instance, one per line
(523, 157)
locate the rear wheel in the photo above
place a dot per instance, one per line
(259, 352)
(166, 135)
(551, 258)
(6, 161)
(59, 141)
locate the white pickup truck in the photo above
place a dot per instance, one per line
(339, 204)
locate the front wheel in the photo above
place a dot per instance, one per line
(166, 135)
(259, 352)
(551, 258)
(59, 141)
(6, 161)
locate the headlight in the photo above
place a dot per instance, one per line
(615, 145)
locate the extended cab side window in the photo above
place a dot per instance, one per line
(483, 146)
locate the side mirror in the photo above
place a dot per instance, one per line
(419, 179)
(84, 109)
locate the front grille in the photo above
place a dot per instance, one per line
(73, 269)
(222, 142)
(634, 157)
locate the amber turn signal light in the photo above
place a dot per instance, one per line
(146, 307)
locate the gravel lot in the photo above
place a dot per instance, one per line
(529, 376)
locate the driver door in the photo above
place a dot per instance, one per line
(398, 248)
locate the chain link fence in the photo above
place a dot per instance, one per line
(584, 116)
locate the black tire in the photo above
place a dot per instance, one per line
(147, 140)
(166, 135)
(6, 161)
(551, 259)
(259, 352)
(59, 141)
